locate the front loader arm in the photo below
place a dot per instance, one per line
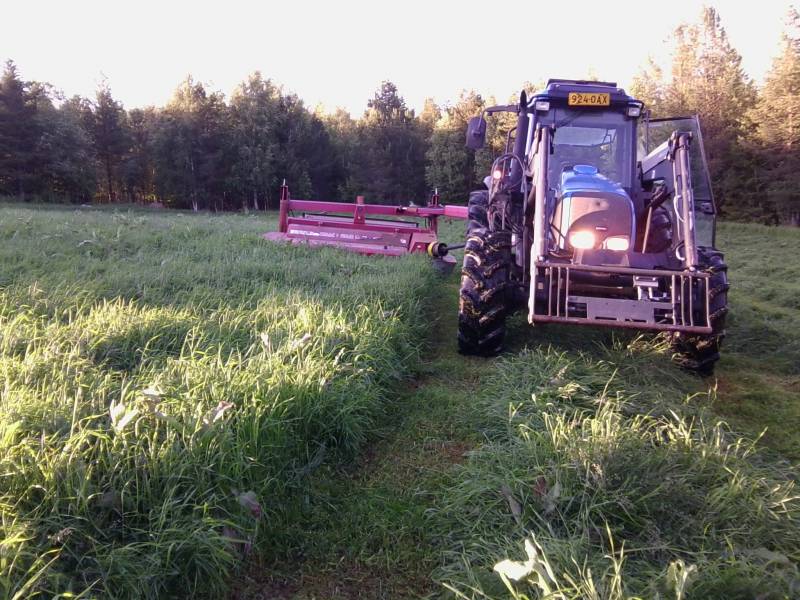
(670, 164)
(539, 166)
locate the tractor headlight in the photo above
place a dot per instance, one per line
(582, 239)
(619, 243)
(542, 105)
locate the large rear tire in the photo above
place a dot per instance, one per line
(485, 283)
(700, 353)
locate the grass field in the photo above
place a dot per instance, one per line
(628, 477)
(759, 383)
(169, 384)
(186, 409)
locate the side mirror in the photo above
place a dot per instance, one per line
(476, 133)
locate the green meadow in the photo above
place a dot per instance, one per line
(187, 410)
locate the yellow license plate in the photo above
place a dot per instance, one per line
(584, 99)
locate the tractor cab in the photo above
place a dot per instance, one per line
(592, 177)
(589, 128)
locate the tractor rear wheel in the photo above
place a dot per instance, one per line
(485, 283)
(700, 353)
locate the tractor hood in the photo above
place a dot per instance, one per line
(590, 202)
(585, 178)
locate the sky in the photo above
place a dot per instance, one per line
(337, 53)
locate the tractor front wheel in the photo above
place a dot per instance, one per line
(485, 283)
(700, 353)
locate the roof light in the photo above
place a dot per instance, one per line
(634, 110)
(542, 105)
(582, 239)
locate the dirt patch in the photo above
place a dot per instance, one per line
(453, 452)
(256, 584)
(348, 582)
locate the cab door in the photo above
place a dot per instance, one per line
(657, 131)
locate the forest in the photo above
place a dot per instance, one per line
(207, 151)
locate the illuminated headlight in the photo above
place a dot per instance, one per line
(618, 243)
(542, 105)
(582, 239)
(634, 111)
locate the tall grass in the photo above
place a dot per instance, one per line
(760, 375)
(168, 382)
(171, 384)
(608, 473)
(620, 482)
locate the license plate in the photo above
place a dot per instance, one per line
(584, 99)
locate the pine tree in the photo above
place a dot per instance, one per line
(777, 116)
(707, 79)
(138, 166)
(450, 165)
(391, 150)
(343, 133)
(110, 135)
(19, 133)
(305, 157)
(254, 115)
(65, 152)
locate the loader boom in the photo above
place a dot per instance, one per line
(670, 162)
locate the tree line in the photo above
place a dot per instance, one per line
(205, 151)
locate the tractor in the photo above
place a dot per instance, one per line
(595, 214)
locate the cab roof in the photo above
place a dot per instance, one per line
(559, 89)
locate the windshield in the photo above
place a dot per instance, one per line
(600, 138)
